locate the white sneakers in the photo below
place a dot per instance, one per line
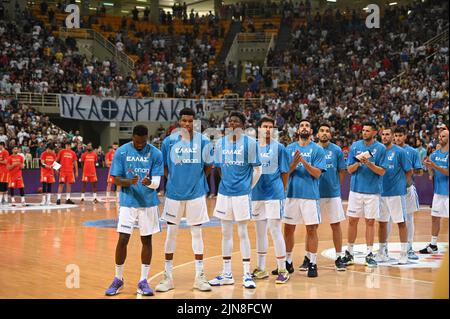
(222, 279)
(248, 282)
(201, 283)
(403, 259)
(382, 257)
(166, 284)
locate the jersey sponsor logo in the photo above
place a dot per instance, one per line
(140, 170)
(329, 155)
(237, 163)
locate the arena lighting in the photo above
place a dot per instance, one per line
(108, 4)
(77, 1)
(93, 9)
(366, 9)
(125, 11)
(393, 3)
(331, 0)
(140, 7)
(141, 0)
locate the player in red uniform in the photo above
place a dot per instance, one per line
(88, 160)
(48, 158)
(109, 158)
(14, 165)
(4, 154)
(68, 160)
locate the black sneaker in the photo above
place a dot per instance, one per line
(312, 270)
(340, 265)
(82, 200)
(430, 249)
(58, 202)
(305, 265)
(289, 268)
(69, 201)
(95, 201)
(348, 259)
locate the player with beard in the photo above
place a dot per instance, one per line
(393, 196)
(330, 192)
(367, 164)
(302, 204)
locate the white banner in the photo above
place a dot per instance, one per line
(93, 108)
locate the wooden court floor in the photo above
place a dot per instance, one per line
(50, 253)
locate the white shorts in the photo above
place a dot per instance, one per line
(235, 208)
(332, 209)
(195, 211)
(363, 205)
(267, 209)
(412, 200)
(302, 211)
(146, 218)
(393, 206)
(439, 207)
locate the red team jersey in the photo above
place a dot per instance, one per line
(109, 157)
(15, 174)
(47, 174)
(66, 158)
(89, 173)
(3, 171)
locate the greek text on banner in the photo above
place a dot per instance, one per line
(93, 108)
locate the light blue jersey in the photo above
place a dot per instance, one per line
(329, 182)
(414, 157)
(185, 163)
(440, 180)
(394, 180)
(129, 162)
(275, 160)
(236, 161)
(364, 180)
(301, 183)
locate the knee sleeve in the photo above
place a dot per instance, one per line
(22, 192)
(262, 242)
(227, 238)
(277, 237)
(171, 239)
(197, 240)
(244, 240)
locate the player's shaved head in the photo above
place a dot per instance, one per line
(443, 138)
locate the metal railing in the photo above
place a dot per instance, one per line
(45, 103)
(440, 38)
(260, 37)
(102, 41)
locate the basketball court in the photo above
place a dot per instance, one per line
(67, 251)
